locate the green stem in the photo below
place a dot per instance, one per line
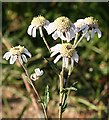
(61, 78)
(42, 36)
(79, 40)
(76, 38)
(36, 92)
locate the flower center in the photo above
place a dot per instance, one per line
(62, 24)
(38, 21)
(67, 50)
(18, 50)
(91, 21)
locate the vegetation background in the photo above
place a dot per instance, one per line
(91, 98)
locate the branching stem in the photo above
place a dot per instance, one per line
(36, 92)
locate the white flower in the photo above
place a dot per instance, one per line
(36, 23)
(62, 27)
(18, 52)
(66, 52)
(37, 74)
(87, 24)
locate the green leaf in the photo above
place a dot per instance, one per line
(71, 88)
(64, 105)
(47, 96)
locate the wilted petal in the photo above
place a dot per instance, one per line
(46, 24)
(68, 36)
(87, 36)
(86, 29)
(39, 72)
(72, 62)
(75, 56)
(7, 55)
(66, 62)
(93, 33)
(55, 35)
(83, 27)
(99, 33)
(24, 58)
(63, 62)
(13, 59)
(29, 31)
(20, 59)
(33, 77)
(72, 34)
(62, 35)
(57, 58)
(27, 52)
(34, 32)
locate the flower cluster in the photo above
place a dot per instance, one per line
(62, 28)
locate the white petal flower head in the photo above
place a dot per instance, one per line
(17, 53)
(79, 25)
(62, 27)
(87, 24)
(36, 23)
(38, 73)
(66, 52)
(93, 25)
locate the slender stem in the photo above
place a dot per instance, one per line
(80, 39)
(61, 78)
(42, 36)
(76, 38)
(36, 92)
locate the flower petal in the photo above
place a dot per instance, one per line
(34, 32)
(93, 33)
(63, 62)
(7, 55)
(20, 59)
(99, 33)
(29, 31)
(55, 35)
(24, 58)
(51, 28)
(66, 62)
(56, 48)
(67, 36)
(27, 52)
(87, 36)
(54, 53)
(71, 34)
(13, 59)
(62, 35)
(57, 58)
(75, 56)
(46, 24)
(72, 62)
